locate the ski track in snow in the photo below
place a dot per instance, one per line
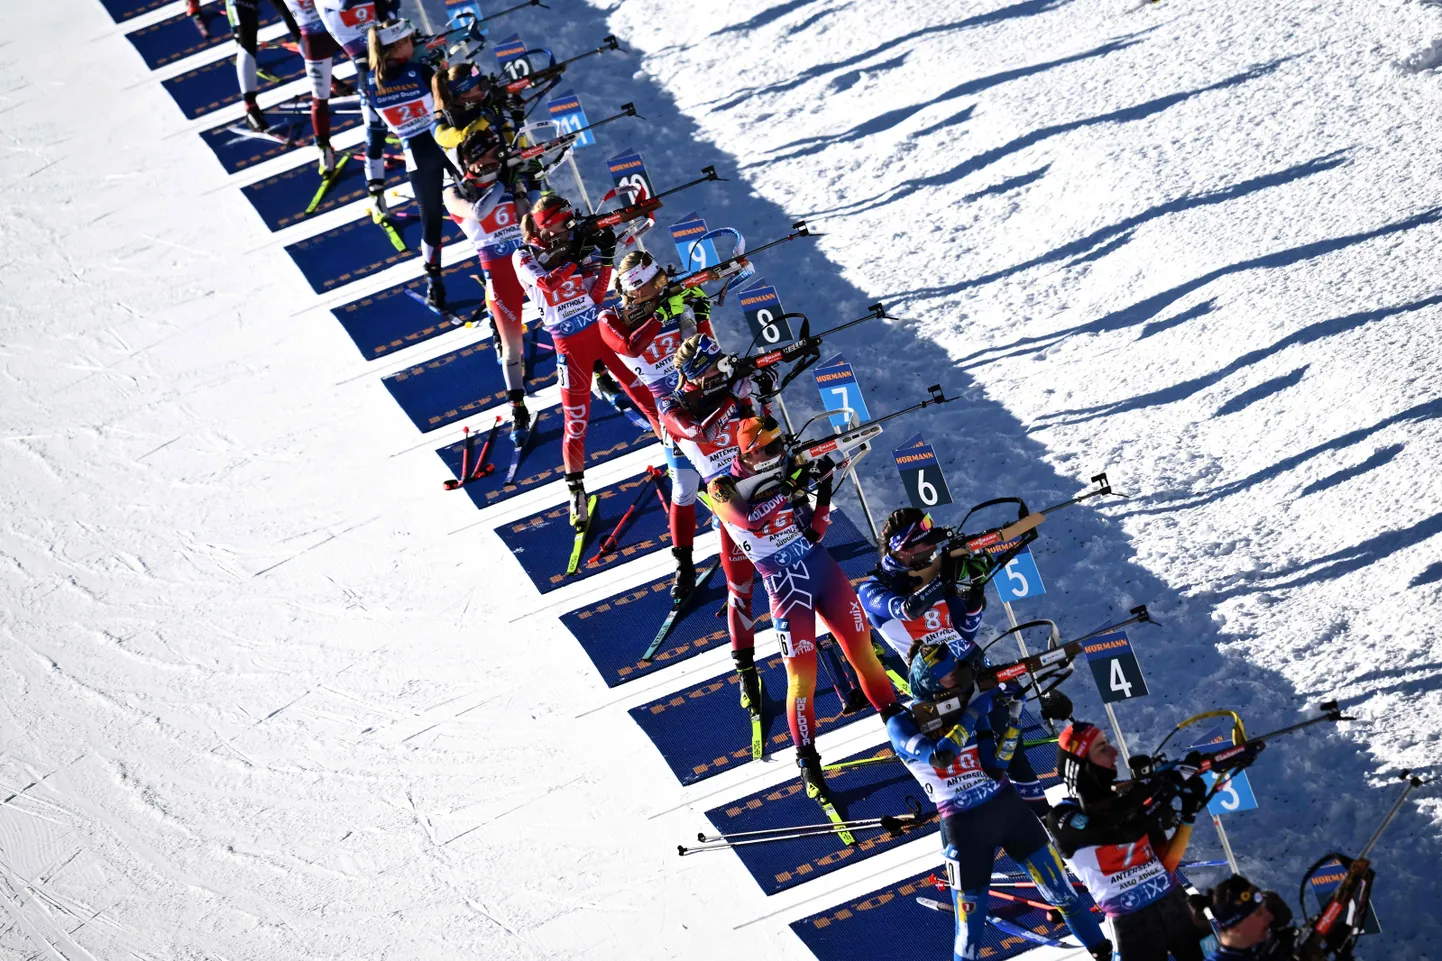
(256, 701)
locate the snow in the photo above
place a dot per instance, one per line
(267, 693)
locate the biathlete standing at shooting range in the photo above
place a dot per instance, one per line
(646, 333)
(400, 91)
(959, 767)
(244, 16)
(779, 530)
(555, 267)
(318, 48)
(915, 598)
(484, 202)
(1116, 843)
(349, 23)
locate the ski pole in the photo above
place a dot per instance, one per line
(608, 543)
(452, 483)
(483, 468)
(888, 821)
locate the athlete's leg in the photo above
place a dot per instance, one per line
(376, 131)
(573, 374)
(504, 299)
(290, 25)
(968, 845)
(840, 608)
(317, 49)
(685, 481)
(793, 615)
(244, 23)
(1026, 841)
(639, 393)
(740, 582)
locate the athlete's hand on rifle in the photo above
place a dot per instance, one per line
(1193, 792)
(605, 240)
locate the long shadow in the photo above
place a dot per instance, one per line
(1010, 184)
(985, 159)
(1421, 413)
(844, 82)
(1024, 8)
(1087, 558)
(1173, 393)
(808, 146)
(1143, 311)
(1336, 564)
(1380, 458)
(764, 18)
(1262, 391)
(1127, 225)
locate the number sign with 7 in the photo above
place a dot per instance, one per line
(841, 393)
(1115, 668)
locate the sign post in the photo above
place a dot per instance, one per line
(1023, 580)
(841, 394)
(1236, 794)
(570, 116)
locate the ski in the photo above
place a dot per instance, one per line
(387, 223)
(623, 405)
(444, 315)
(829, 810)
(243, 131)
(198, 18)
(679, 607)
(580, 543)
(520, 451)
(326, 181)
(758, 734)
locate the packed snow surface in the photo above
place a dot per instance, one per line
(266, 692)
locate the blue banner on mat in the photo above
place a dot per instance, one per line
(460, 384)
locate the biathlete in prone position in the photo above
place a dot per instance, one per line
(646, 334)
(568, 285)
(780, 530)
(400, 91)
(962, 771)
(916, 597)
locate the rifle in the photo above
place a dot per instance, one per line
(1052, 665)
(555, 69)
(516, 156)
(643, 208)
(1349, 902)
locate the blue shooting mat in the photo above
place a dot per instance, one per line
(123, 10)
(236, 148)
(456, 385)
(281, 200)
(612, 631)
(177, 37)
(392, 319)
(609, 435)
(703, 729)
(542, 542)
(868, 791)
(889, 925)
(361, 248)
(212, 86)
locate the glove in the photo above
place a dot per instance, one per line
(1014, 706)
(975, 596)
(1193, 792)
(764, 381)
(943, 757)
(606, 245)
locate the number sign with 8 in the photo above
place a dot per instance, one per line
(763, 311)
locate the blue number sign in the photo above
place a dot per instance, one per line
(696, 250)
(566, 111)
(839, 391)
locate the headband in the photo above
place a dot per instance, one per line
(1077, 739)
(639, 275)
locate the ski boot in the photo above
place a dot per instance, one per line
(520, 421)
(810, 764)
(327, 160)
(436, 287)
(1103, 951)
(685, 580)
(580, 515)
(377, 188)
(254, 116)
(750, 680)
(606, 385)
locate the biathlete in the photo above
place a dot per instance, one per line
(318, 48)
(567, 285)
(915, 599)
(244, 16)
(485, 203)
(645, 334)
(780, 531)
(349, 23)
(961, 771)
(1116, 843)
(400, 91)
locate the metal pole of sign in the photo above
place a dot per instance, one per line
(1226, 844)
(581, 184)
(856, 481)
(1021, 646)
(1123, 752)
